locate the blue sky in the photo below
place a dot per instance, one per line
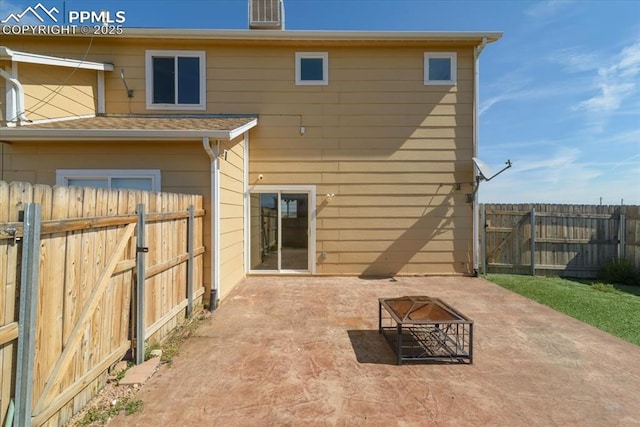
(560, 92)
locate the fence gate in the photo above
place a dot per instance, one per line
(70, 292)
(565, 240)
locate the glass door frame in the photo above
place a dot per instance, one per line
(311, 246)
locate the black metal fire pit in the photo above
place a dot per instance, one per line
(421, 328)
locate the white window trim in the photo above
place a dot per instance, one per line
(150, 54)
(454, 75)
(325, 68)
(63, 175)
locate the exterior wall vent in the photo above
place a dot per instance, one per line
(266, 14)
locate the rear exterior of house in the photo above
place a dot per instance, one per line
(338, 153)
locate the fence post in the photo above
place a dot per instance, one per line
(190, 244)
(622, 234)
(141, 249)
(27, 316)
(533, 241)
(483, 239)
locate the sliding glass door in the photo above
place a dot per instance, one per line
(281, 230)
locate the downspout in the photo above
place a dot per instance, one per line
(213, 154)
(247, 204)
(19, 111)
(476, 120)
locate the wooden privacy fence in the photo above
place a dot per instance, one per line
(566, 240)
(87, 275)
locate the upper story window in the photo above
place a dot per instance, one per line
(312, 68)
(440, 68)
(176, 79)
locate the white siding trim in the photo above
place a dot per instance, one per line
(101, 107)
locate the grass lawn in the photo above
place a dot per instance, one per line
(612, 308)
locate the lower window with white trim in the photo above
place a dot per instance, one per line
(133, 179)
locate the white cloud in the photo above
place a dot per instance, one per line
(626, 137)
(615, 83)
(525, 94)
(562, 176)
(575, 60)
(546, 8)
(631, 161)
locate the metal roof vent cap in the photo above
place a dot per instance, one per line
(266, 14)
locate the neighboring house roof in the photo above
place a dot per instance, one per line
(134, 127)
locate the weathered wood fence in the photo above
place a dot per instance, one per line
(565, 240)
(86, 275)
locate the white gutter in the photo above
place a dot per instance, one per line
(214, 157)
(296, 35)
(18, 113)
(476, 120)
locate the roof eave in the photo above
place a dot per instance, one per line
(33, 58)
(491, 36)
(307, 35)
(24, 134)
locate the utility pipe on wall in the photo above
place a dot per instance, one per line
(476, 101)
(214, 157)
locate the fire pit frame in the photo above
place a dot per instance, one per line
(417, 334)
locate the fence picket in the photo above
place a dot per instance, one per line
(77, 238)
(8, 266)
(572, 240)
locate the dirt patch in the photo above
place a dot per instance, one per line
(114, 398)
(111, 400)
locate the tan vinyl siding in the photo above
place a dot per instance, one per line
(231, 215)
(389, 147)
(56, 92)
(396, 153)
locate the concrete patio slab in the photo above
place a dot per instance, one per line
(306, 351)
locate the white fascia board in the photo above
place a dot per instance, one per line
(34, 58)
(242, 129)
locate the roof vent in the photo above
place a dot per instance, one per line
(266, 14)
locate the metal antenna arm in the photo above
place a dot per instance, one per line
(508, 163)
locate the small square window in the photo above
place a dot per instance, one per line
(440, 68)
(175, 80)
(312, 68)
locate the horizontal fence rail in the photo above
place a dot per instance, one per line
(86, 316)
(564, 240)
